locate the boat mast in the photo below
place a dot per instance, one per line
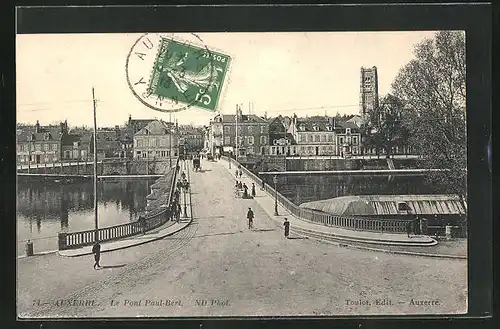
(95, 169)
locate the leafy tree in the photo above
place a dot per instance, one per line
(384, 128)
(433, 87)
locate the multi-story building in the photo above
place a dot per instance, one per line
(281, 141)
(251, 130)
(40, 144)
(348, 139)
(157, 140)
(193, 138)
(323, 136)
(77, 147)
(215, 144)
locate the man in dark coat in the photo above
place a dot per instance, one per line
(96, 250)
(253, 190)
(142, 222)
(286, 224)
(250, 218)
(263, 184)
(409, 227)
(178, 212)
(245, 190)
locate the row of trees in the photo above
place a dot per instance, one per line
(426, 109)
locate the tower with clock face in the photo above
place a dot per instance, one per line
(368, 91)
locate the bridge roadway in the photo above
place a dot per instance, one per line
(237, 272)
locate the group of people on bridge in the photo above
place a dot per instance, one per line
(241, 188)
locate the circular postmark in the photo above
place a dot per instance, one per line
(170, 74)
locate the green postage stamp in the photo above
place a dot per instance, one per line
(182, 74)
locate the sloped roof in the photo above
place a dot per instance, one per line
(244, 118)
(155, 127)
(376, 205)
(347, 124)
(69, 139)
(25, 134)
(320, 122)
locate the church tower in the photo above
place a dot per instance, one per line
(368, 91)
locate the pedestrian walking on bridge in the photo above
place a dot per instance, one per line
(178, 212)
(250, 218)
(409, 227)
(245, 190)
(253, 190)
(263, 184)
(142, 222)
(286, 224)
(96, 250)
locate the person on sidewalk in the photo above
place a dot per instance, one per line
(237, 173)
(96, 250)
(241, 173)
(178, 212)
(263, 184)
(253, 190)
(245, 191)
(142, 222)
(409, 227)
(286, 224)
(250, 218)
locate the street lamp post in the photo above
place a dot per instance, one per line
(229, 159)
(275, 181)
(185, 202)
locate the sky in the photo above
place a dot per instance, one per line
(307, 73)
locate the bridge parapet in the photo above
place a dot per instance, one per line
(317, 217)
(156, 218)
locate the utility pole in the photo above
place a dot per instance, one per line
(236, 133)
(95, 169)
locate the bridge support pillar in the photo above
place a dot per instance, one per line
(61, 237)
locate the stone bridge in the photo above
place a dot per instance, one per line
(105, 167)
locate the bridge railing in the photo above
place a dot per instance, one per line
(71, 240)
(347, 222)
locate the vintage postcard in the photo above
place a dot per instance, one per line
(241, 174)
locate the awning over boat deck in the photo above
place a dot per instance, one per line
(376, 205)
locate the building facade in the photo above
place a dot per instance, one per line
(157, 140)
(77, 147)
(215, 143)
(348, 141)
(324, 136)
(193, 139)
(37, 144)
(246, 133)
(281, 142)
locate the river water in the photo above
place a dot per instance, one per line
(305, 188)
(45, 209)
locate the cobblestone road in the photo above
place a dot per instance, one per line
(217, 267)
